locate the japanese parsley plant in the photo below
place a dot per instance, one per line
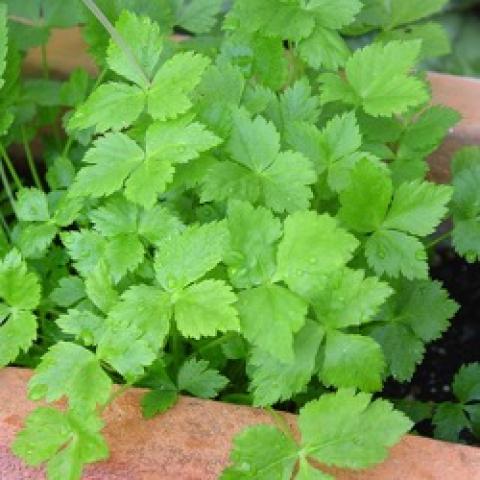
(243, 215)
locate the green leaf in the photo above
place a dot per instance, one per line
(251, 254)
(466, 384)
(110, 161)
(32, 205)
(205, 308)
(466, 202)
(64, 439)
(149, 309)
(408, 11)
(344, 429)
(364, 203)
(3, 42)
(182, 259)
(111, 106)
(35, 238)
(418, 207)
(155, 402)
(85, 247)
(69, 291)
(395, 253)
(378, 80)
(19, 288)
(145, 43)
(352, 360)
(17, 333)
(157, 223)
(116, 216)
(402, 349)
(449, 420)
(123, 254)
(197, 378)
(84, 325)
(74, 91)
(313, 247)
(334, 14)
(99, 288)
(197, 16)
(307, 472)
(349, 299)
(273, 380)
(173, 84)
(272, 305)
(251, 460)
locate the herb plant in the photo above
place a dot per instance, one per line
(242, 215)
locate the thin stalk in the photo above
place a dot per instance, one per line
(45, 68)
(5, 226)
(30, 160)
(176, 348)
(6, 185)
(117, 38)
(114, 395)
(10, 167)
(281, 423)
(439, 239)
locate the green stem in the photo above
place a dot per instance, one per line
(30, 160)
(45, 68)
(176, 348)
(114, 395)
(10, 167)
(117, 38)
(439, 239)
(5, 226)
(6, 185)
(281, 423)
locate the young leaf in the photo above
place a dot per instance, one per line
(449, 420)
(466, 384)
(197, 378)
(32, 205)
(158, 401)
(197, 16)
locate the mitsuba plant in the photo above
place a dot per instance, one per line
(241, 215)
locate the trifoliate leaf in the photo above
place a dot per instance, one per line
(149, 309)
(155, 402)
(418, 207)
(67, 441)
(109, 162)
(349, 299)
(313, 247)
(352, 360)
(172, 86)
(123, 254)
(344, 429)
(206, 308)
(273, 380)
(143, 39)
(69, 291)
(197, 378)
(111, 106)
(449, 420)
(251, 460)
(32, 205)
(377, 79)
(466, 384)
(187, 257)
(251, 254)
(72, 371)
(270, 315)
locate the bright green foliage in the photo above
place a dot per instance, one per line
(19, 295)
(242, 216)
(417, 313)
(342, 429)
(66, 441)
(466, 203)
(394, 218)
(377, 80)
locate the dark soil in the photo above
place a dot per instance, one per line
(459, 345)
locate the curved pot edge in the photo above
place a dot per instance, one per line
(192, 442)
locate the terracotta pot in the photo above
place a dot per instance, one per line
(192, 442)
